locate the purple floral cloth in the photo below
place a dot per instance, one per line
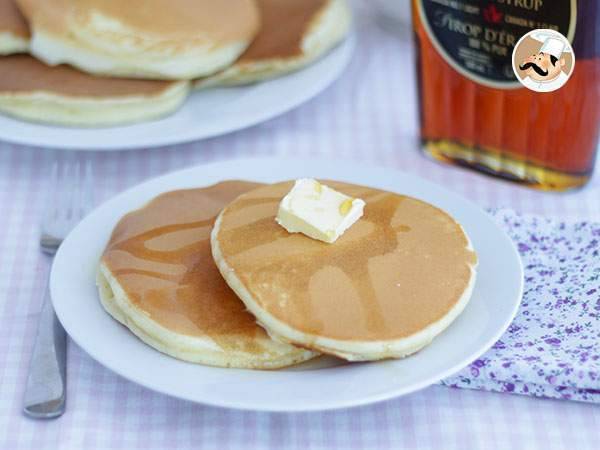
(552, 348)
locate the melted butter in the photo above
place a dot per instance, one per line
(161, 257)
(284, 23)
(397, 270)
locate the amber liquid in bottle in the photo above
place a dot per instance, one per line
(546, 140)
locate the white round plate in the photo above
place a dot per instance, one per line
(206, 113)
(318, 385)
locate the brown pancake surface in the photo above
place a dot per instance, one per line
(25, 74)
(11, 19)
(222, 20)
(400, 268)
(284, 23)
(161, 257)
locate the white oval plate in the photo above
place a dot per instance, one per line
(206, 113)
(318, 385)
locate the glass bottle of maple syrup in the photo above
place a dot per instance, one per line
(474, 112)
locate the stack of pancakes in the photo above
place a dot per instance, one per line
(108, 62)
(207, 275)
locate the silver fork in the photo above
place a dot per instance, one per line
(70, 198)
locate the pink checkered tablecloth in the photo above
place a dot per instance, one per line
(367, 116)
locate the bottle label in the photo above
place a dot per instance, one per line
(477, 38)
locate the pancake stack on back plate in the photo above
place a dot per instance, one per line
(293, 34)
(241, 291)
(164, 39)
(82, 50)
(33, 90)
(29, 89)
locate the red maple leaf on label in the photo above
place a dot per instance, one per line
(492, 14)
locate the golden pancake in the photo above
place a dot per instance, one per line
(31, 90)
(293, 34)
(158, 278)
(14, 32)
(397, 278)
(158, 39)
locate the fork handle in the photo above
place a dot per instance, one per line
(46, 383)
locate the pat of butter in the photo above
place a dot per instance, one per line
(318, 211)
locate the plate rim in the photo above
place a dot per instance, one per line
(343, 52)
(302, 407)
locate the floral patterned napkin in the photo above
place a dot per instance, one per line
(552, 348)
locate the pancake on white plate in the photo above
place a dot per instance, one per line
(293, 35)
(14, 32)
(395, 280)
(61, 95)
(158, 278)
(157, 39)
